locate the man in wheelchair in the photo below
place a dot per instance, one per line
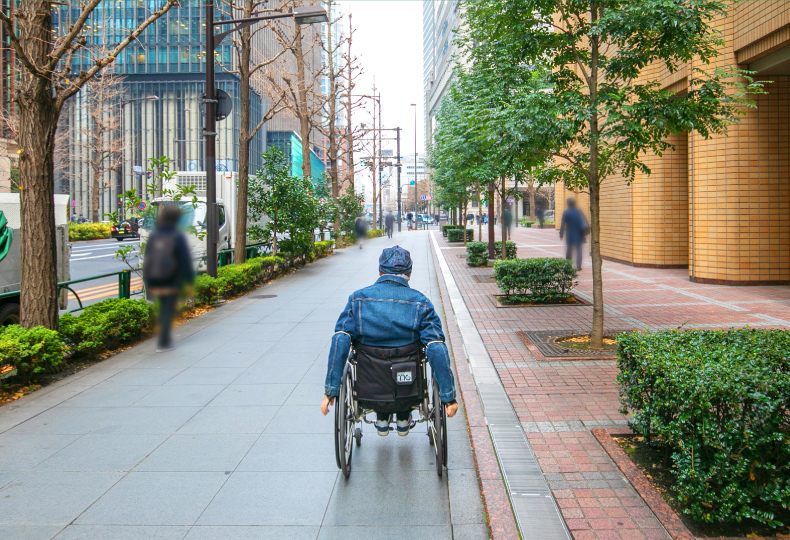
(390, 319)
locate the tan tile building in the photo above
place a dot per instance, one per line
(721, 206)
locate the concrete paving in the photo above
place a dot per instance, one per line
(222, 438)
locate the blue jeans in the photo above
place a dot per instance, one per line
(568, 254)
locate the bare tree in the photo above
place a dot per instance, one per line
(351, 72)
(295, 79)
(98, 137)
(331, 46)
(248, 69)
(45, 60)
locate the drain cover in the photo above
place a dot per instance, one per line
(262, 296)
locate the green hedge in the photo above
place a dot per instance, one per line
(526, 222)
(457, 235)
(236, 279)
(512, 250)
(106, 325)
(89, 231)
(207, 290)
(477, 253)
(324, 248)
(446, 228)
(538, 280)
(721, 401)
(375, 233)
(31, 351)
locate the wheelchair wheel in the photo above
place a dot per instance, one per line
(344, 425)
(439, 430)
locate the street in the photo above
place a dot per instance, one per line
(94, 258)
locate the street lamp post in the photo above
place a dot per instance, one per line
(301, 15)
(119, 187)
(415, 159)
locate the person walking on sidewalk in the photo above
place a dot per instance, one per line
(167, 269)
(389, 222)
(360, 229)
(409, 219)
(507, 217)
(539, 215)
(574, 228)
(390, 314)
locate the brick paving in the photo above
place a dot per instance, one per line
(559, 402)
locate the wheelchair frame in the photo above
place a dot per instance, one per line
(349, 416)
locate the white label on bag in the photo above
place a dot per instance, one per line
(404, 377)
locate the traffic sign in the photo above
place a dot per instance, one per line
(426, 197)
(73, 204)
(411, 183)
(141, 205)
(511, 200)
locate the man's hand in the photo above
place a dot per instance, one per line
(326, 403)
(451, 409)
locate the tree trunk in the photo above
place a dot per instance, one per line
(596, 335)
(304, 120)
(491, 232)
(95, 191)
(503, 203)
(531, 190)
(240, 241)
(479, 214)
(38, 118)
(274, 239)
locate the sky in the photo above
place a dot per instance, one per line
(388, 42)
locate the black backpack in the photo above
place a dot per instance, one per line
(161, 262)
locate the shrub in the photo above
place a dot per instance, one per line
(323, 248)
(477, 253)
(457, 235)
(31, 351)
(106, 325)
(446, 228)
(88, 231)
(375, 233)
(539, 280)
(512, 250)
(207, 289)
(239, 278)
(721, 401)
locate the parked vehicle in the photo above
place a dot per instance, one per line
(124, 230)
(10, 256)
(194, 213)
(548, 215)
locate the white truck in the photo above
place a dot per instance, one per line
(10, 257)
(194, 214)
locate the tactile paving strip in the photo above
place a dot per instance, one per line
(536, 511)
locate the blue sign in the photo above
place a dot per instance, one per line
(411, 183)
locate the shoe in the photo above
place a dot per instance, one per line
(383, 427)
(403, 427)
(165, 348)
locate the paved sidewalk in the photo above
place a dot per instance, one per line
(223, 439)
(559, 402)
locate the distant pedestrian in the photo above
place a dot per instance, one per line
(470, 218)
(167, 269)
(507, 220)
(539, 214)
(485, 219)
(409, 219)
(389, 222)
(574, 228)
(360, 229)
(436, 219)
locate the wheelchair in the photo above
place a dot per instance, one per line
(387, 380)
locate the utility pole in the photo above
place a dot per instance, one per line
(210, 133)
(381, 168)
(415, 161)
(397, 130)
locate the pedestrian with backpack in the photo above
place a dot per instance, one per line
(167, 269)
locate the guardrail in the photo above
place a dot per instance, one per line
(124, 286)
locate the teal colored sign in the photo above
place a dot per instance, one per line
(6, 236)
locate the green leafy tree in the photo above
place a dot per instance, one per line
(326, 208)
(599, 118)
(349, 206)
(287, 201)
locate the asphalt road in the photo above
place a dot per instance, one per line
(95, 258)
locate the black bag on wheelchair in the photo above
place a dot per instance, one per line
(389, 379)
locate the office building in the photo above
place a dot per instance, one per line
(440, 19)
(719, 206)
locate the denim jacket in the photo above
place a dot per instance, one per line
(390, 314)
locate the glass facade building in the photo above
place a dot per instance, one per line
(166, 61)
